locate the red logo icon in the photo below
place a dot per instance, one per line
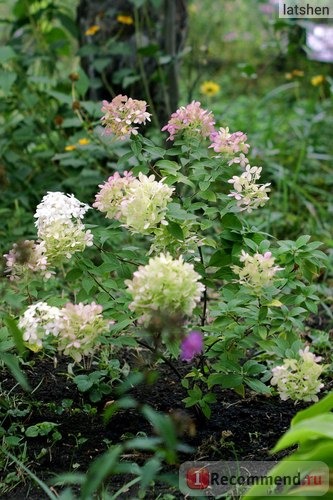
(197, 478)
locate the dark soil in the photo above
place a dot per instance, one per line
(239, 429)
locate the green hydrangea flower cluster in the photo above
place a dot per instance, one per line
(165, 285)
(298, 379)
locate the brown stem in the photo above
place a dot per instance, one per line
(166, 360)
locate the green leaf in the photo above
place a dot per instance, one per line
(262, 313)
(317, 427)
(68, 23)
(257, 386)
(227, 381)
(149, 472)
(136, 147)
(100, 469)
(83, 383)
(40, 483)
(12, 363)
(251, 244)
(252, 367)
(302, 240)
(207, 195)
(176, 212)
(231, 221)
(163, 425)
(87, 284)
(168, 165)
(323, 406)
(16, 333)
(175, 230)
(6, 53)
(83, 83)
(7, 80)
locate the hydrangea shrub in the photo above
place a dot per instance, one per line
(178, 258)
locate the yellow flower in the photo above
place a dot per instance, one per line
(84, 141)
(193, 8)
(297, 72)
(317, 80)
(125, 19)
(92, 30)
(209, 88)
(294, 72)
(71, 147)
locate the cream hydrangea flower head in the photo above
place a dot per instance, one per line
(298, 379)
(248, 194)
(38, 321)
(62, 240)
(165, 285)
(79, 327)
(258, 270)
(144, 207)
(76, 327)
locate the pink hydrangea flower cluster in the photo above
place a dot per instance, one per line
(140, 204)
(111, 194)
(122, 114)
(190, 119)
(27, 257)
(224, 142)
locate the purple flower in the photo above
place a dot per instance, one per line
(191, 346)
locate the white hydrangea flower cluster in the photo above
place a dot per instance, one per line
(139, 204)
(38, 321)
(27, 257)
(258, 270)
(298, 379)
(165, 285)
(59, 225)
(248, 194)
(56, 206)
(76, 327)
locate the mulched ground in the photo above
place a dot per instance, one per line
(239, 429)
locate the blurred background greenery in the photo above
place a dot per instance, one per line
(58, 59)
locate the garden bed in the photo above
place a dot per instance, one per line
(239, 429)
